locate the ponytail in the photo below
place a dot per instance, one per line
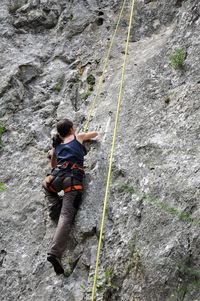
(63, 129)
(56, 140)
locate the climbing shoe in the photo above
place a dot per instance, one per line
(56, 262)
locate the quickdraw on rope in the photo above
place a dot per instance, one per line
(112, 151)
(104, 68)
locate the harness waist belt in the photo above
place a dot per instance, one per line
(75, 187)
(68, 164)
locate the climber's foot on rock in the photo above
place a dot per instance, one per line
(56, 262)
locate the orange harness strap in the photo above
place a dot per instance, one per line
(72, 188)
(74, 166)
(48, 181)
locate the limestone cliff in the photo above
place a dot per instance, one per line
(151, 245)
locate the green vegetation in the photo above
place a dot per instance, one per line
(188, 270)
(85, 95)
(194, 286)
(106, 284)
(129, 189)
(58, 87)
(70, 261)
(1, 187)
(25, 1)
(1, 131)
(73, 18)
(68, 272)
(135, 261)
(177, 58)
(83, 287)
(90, 79)
(182, 215)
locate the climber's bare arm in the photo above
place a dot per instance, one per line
(53, 159)
(86, 136)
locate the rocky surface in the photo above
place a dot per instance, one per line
(151, 246)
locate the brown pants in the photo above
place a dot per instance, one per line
(63, 208)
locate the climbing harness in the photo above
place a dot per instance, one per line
(71, 165)
(49, 182)
(114, 138)
(73, 188)
(68, 168)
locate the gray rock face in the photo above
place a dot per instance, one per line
(151, 247)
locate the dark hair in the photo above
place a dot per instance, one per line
(63, 128)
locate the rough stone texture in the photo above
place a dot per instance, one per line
(46, 44)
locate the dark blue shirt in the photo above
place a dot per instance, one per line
(70, 152)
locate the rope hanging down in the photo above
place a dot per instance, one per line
(112, 152)
(104, 68)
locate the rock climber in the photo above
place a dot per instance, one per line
(67, 175)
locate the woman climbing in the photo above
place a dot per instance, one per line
(67, 175)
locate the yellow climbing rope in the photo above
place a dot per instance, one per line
(112, 152)
(104, 68)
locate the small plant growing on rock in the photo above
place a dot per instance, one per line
(182, 215)
(127, 188)
(83, 287)
(90, 79)
(25, 1)
(188, 270)
(135, 261)
(68, 272)
(1, 131)
(1, 187)
(58, 87)
(177, 58)
(73, 18)
(70, 261)
(106, 283)
(85, 95)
